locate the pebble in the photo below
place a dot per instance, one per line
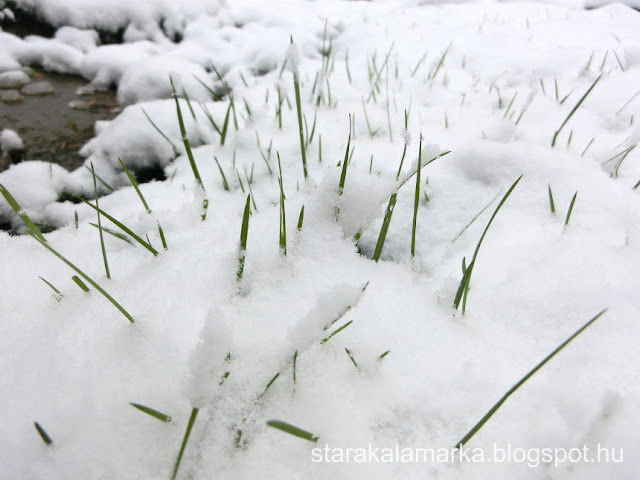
(13, 79)
(10, 96)
(38, 88)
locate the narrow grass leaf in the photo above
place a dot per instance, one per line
(119, 235)
(21, 213)
(150, 411)
(122, 227)
(185, 140)
(573, 110)
(244, 232)
(271, 382)
(187, 433)
(225, 185)
(466, 278)
(301, 218)
(551, 204)
(495, 408)
(416, 202)
(385, 226)
(173, 146)
(43, 434)
(573, 201)
(293, 430)
(95, 195)
(134, 183)
(335, 332)
(353, 360)
(87, 278)
(58, 292)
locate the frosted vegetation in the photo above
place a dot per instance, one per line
(381, 223)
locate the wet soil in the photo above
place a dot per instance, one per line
(50, 129)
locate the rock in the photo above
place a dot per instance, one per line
(38, 88)
(13, 79)
(12, 145)
(10, 96)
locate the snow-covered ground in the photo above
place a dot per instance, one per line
(490, 82)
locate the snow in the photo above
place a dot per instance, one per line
(10, 140)
(73, 363)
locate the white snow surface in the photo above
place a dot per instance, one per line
(488, 82)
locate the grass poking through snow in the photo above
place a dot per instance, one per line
(293, 430)
(495, 408)
(150, 411)
(463, 288)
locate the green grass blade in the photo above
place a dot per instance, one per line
(416, 202)
(119, 235)
(23, 216)
(80, 283)
(551, 204)
(244, 232)
(271, 382)
(122, 227)
(225, 125)
(474, 219)
(225, 185)
(296, 86)
(577, 105)
(43, 434)
(466, 278)
(353, 360)
(495, 408)
(210, 117)
(214, 95)
(105, 184)
(295, 361)
(185, 140)
(385, 226)
(187, 433)
(134, 183)
(573, 201)
(162, 238)
(58, 292)
(335, 332)
(186, 97)
(104, 250)
(87, 278)
(301, 218)
(293, 430)
(150, 411)
(283, 219)
(175, 150)
(440, 63)
(384, 354)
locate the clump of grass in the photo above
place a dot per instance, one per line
(43, 434)
(87, 278)
(185, 439)
(293, 430)
(35, 233)
(573, 201)
(468, 270)
(150, 411)
(495, 408)
(244, 232)
(573, 110)
(296, 86)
